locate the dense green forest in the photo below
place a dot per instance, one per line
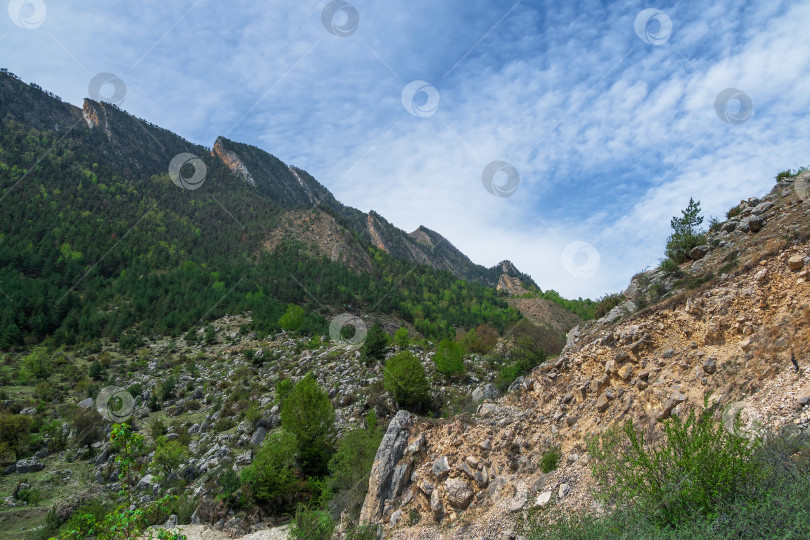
(87, 253)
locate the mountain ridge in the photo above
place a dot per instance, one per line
(284, 184)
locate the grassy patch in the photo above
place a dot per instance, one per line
(550, 460)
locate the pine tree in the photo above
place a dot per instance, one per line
(686, 234)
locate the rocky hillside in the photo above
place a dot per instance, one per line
(222, 402)
(724, 325)
(320, 236)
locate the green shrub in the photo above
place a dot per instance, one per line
(734, 211)
(784, 175)
(690, 471)
(129, 342)
(550, 460)
(88, 427)
(96, 371)
(773, 504)
(481, 340)
(252, 414)
(311, 524)
(293, 318)
(271, 477)
(351, 464)
(95, 508)
(526, 352)
(224, 424)
(229, 483)
(57, 438)
(192, 336)
(404, 377)
(449, 358)
(606, 303)
(669, 266)
(44, 391)
(401, 338)
(35, 365)
(169, 455)
(283, 389)
(366, 531)
(135, 389)
(157, 428)
(210, 334)
(31, 496)
(376, 344)
(686, 234)
(185, 506)
(308, 414)
(167, 388)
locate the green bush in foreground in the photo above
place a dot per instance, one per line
(271, 479)
(308, 414)
(696, 466)
(127, 520)
(351, 465)
(696, 481)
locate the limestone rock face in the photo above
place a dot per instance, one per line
(399, 479)
(698, 252)
(25, 466)
(258, 436)
(388, 455)
(440, 467)
(436, 505)
(487, 391)
(459, 492)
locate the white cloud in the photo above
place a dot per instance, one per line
(611, 135)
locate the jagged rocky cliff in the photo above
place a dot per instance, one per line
(140, 149)
(726, 327)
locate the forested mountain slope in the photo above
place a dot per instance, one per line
(97, 240)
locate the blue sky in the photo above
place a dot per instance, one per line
(610, 134)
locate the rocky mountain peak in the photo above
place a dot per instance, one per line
(508, 268)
